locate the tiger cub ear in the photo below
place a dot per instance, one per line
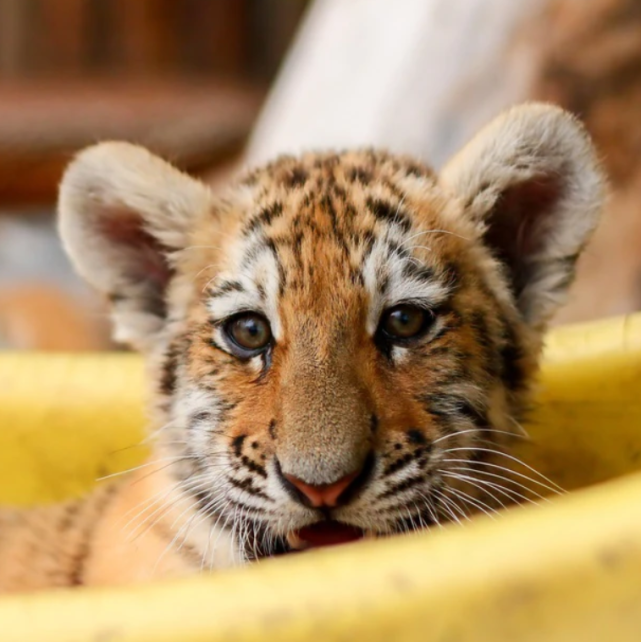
(122, 213)
(532, 182)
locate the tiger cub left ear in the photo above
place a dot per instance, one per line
(124, 214)
(532, 182)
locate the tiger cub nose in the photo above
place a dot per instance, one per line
(321, 495)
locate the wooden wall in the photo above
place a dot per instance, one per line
(52, 38)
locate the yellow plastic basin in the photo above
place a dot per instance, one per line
(563, 571)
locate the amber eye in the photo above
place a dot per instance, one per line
(249, 331)
(404, 321)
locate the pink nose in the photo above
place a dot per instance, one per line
(322, 495)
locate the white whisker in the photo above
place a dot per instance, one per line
(145, 465)
(511, 458)
(483, 484)
(504, 478)
(507, 470)
(447, 503)
(472, 501)
(447, 507)
(475, 431)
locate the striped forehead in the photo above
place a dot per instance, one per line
(253, 281)
(396, 271)
(392, 270)
(340, 236)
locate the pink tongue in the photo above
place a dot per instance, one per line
(329, 534)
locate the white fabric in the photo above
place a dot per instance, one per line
(415, 76)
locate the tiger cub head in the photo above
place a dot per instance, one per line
(342, 343)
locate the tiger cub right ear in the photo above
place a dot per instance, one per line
(532, 183)
(123, 212)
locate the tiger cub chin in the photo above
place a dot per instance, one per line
(340, 346)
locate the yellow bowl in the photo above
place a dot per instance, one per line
(563, 571)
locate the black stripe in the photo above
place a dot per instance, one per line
(168, 370)
(399, 464)
(253, 466)
(247, 485)
(79, 560)
(360, 175)
(418, 272)
(406, 484)
(226, 287)
(237, 444)
(296, 178)
(388, 213)
(491, 360)
(265, 217)
(512, 354)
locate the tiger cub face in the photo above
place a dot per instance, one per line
(341, 343)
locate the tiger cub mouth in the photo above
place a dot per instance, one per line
(322, 534)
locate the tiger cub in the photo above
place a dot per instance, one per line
(339, 347)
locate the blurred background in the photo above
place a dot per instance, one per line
(215, 85)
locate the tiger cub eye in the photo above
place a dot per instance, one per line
(404, 321)
(249, 331)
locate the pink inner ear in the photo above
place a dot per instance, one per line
(144, 258)
(520, 224)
